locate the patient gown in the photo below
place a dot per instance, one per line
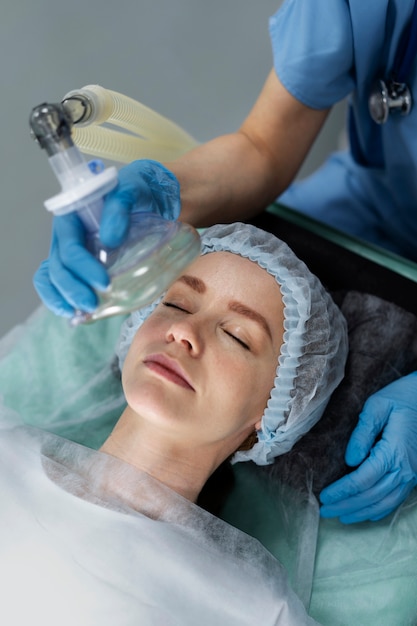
(87, 539)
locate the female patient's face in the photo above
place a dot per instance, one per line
(203, 364)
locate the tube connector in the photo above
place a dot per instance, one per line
(82, 190)
(91, 104)
(78, 107)
(50, 126)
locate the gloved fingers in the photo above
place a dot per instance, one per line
(144, 186)
(378, 510)
(372, 420)
(119, 203)
(77, 294)
(69, 283)
(363, 478)
(165, 189)
(117, 213)
(48, 294)
(366, 500)
(68, 256)
(115, 218)
(398, 496)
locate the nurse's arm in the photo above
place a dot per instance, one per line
(235, 176)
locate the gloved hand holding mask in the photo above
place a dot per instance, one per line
(384, 445)
(65, 281)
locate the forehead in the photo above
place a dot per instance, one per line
(216, 261)
(236, 277)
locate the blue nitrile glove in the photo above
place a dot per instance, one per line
(385, 477)
(65, 281)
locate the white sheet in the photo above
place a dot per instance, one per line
(86, 539)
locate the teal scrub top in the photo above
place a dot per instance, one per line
(324, 51)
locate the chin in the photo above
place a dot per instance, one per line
(156, 405)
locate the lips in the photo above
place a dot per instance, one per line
(168, 368)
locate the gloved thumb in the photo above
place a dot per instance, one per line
(115, 219)
(372, 420)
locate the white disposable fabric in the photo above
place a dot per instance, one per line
(314, 351)
(87, 539)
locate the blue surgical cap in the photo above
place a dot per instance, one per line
(314, 350)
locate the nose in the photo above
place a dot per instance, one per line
(187, 334)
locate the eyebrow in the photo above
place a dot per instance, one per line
(244, 310)
(195, 283)
(199, 286)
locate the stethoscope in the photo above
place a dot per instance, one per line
(393, 94)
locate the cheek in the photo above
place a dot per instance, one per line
(261, 384)
(129, 384)
(130, 378)
(149, 332)
(245, 384)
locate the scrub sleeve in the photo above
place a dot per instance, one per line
(325, 50)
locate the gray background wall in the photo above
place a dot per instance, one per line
(199, 63)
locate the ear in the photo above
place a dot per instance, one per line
(258, 424)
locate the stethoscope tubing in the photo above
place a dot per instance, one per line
(392, 94)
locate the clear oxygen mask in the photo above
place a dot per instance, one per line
(155, 252)
(154, 255)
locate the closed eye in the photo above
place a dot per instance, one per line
(238, 340)
(172, 305)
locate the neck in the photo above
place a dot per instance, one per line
(146, 448)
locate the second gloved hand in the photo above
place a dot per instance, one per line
(388, 470)
(67, 279)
